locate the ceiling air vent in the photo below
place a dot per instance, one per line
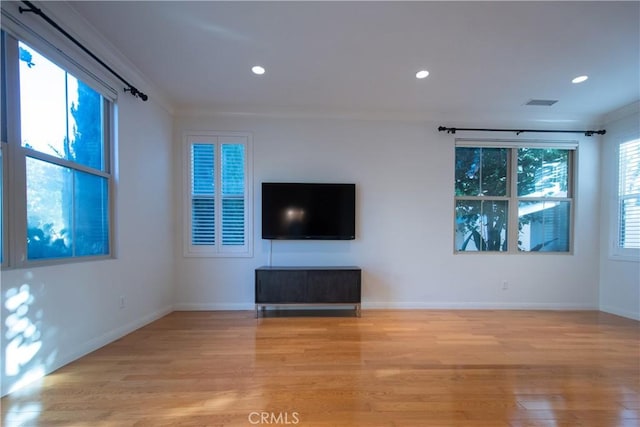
(542, 102)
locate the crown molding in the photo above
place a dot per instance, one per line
(76, 25)
(621, 113)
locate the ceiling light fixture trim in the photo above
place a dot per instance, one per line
(580, 79)
(258, 70)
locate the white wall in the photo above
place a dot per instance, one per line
(404, 244)
(619, 279)
(75, 307)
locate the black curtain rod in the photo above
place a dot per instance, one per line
(130, 88)
(519, 131)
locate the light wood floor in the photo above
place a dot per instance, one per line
(387, 368)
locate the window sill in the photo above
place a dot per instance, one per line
(625, 257)
(218, 254)
(57, 262)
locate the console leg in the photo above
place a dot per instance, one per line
(358, 311)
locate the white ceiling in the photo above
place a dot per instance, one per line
(486, 59)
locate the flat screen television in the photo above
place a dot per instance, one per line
(308, 211)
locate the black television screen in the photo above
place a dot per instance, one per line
(308, 211)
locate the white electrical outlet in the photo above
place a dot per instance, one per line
(505, 285)
(122, 302)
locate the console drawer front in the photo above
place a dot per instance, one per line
(333, 286)
(281, 286)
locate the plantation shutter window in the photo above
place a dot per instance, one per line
(629, 195)
(217, 210)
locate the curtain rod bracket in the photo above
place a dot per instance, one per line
(32, 9)
(136, 93)
(519, 131)
(449, 130)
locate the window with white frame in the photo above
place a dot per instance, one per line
(513, 197)
(627, 239)
(217, 188)
(56, 153)
(3, 233)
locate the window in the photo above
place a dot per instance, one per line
(2, 208)
(218, 184)
(58, 150)
(513, 198)
(482, 205)
(3, 156)
(628, 206)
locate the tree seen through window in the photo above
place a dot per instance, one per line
(484, 178)
(62, 117)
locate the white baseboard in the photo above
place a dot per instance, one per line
(214, 307)
(620, 312)
(476, 306)
(413, 305)
(108, 337)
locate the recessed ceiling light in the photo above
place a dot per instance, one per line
(580, 79)
(258, 70)
(422, 74)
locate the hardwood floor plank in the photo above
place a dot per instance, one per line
(388, 368)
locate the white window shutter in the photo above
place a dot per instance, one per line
(233, 194)
(203, 194)
(217, 209)
(629, 195)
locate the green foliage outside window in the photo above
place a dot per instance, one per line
(482, 172)
(483, 181)
(67, 209)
